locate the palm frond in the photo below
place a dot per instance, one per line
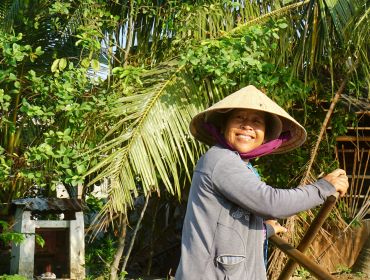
(151, 137)
(275, 13)
(341, 12)
(8, 11)
(358, 33)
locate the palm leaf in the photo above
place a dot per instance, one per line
(358, 33)
(279, 12)
(8, 12)
(151, 139)
(341, 12)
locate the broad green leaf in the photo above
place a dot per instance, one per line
(39, 240)
(62, 64)
(85, 62)
(283, 25)
(95, 64)
(54, 66)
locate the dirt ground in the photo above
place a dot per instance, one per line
(344, 276)
(351, 276)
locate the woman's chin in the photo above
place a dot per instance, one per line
(244, 150)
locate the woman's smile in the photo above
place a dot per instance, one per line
(245, 136)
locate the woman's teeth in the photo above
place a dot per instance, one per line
(245, 137)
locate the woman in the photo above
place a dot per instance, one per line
(229, 208)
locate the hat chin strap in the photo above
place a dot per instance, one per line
(264, 149)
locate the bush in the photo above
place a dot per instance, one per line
(12, 277)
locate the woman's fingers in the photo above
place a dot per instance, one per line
(339, 180)
(276, 226)
(342, 185)
(338, 172)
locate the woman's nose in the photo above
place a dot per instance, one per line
(246, 125)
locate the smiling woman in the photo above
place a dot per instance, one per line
(230, 210)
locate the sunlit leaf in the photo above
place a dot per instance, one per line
(62, 63)
(54, 66)
(95, 64)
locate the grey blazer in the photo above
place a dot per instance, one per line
(223, 234)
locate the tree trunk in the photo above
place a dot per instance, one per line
(121, 246)
(130, 33)
(151, 245)
(135, 232)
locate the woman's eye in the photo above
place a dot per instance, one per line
(258, 121)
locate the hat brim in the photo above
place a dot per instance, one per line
(251, 98)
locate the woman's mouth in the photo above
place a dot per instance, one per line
(244, 137)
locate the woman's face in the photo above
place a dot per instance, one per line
(245, 129)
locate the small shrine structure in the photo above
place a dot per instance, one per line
(60, 222)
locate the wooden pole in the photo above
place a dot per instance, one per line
(309, 236)
(300, 258)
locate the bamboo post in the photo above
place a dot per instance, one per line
(306, 240)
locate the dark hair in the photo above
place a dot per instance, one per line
(219, 119)
(269, 122)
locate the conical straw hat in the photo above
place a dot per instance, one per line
(250, 98)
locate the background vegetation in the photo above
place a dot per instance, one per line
(101, 92)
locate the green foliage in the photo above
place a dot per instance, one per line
(94, 204)
(232, 60)
(360, 275)
(99, 255)
(123, 275)
(244, 60)
(12, 277)
(42, 119)
(129, 77)
(342, 269)
(8, 236)
(302, 273)
(39, 240)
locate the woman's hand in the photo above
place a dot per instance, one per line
(276, 226)
(339, 180)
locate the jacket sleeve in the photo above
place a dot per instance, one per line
(238, 184)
